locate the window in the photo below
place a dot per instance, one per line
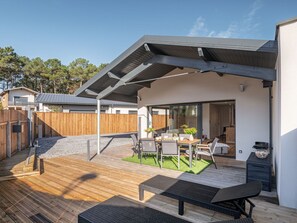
(132, 112)
(155, 112)
(118, 111)
(20, 100)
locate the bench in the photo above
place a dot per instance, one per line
(120, 210)
(230, 201)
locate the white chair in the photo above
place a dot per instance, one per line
(170, 148)
(135, 144)
(185, 136)
(166, 135)
(207, 150)
(148, 146)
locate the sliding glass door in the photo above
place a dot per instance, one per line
(184, 115)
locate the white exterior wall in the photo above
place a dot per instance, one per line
(252, 105)
(285, 110)
(21, 93)
(123, 109)
(89, 108)
(74, 108)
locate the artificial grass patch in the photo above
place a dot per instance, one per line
(171, 163)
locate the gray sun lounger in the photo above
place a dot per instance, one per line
(230, 201)
(122, 210)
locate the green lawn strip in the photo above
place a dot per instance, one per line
(171, 163)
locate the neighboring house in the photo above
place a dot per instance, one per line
(18, 98)
(249, 85)
(70, 103)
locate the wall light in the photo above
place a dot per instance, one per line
(242, 87)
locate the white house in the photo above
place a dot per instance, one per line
(18, 98)
(245, 87)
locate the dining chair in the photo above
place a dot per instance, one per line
(148, 146)
(185, 136)
(207, 150)
(135, 144)
(166, 135)
(170, 148)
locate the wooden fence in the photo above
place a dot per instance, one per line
(72, 124)
(11, 142)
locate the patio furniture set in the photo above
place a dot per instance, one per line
(167, 145)
(231, 201)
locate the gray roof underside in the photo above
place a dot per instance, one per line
(66, 99)
(253, 53)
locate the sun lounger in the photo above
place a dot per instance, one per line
(230, 201)
(120, 210)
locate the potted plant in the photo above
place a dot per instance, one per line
(150, 132)
(191, 131)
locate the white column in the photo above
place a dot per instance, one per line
(98, 126)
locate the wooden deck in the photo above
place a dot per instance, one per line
(17, 166)
(70, 185)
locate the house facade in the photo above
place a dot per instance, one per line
(243, 90)
(19, 98)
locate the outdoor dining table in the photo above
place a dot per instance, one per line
(185, 142)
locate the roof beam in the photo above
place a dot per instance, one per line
(113, 76)
(121, 97)
(125, 79)
(147, 85)
(205, 55)
(116, 77)
(235, 69)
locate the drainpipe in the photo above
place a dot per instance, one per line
(270, 116)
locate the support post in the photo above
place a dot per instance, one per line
(139, 128)
(8, 139)
(166, 119)
(88, 150)
(98, 126)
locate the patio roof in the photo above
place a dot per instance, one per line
(152, 57)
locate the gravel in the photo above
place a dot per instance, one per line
(63, 146)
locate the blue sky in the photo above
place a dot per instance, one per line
(100, 30)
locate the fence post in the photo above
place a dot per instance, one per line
(29, 124)
(39, 131)
(8, 139)
(19, 147)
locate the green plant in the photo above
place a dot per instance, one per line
(184, 126)
(191, 131)
(149, 130)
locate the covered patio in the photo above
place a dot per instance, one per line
(160, 71)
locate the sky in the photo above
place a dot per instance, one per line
(99, 31)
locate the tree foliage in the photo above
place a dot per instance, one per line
(10, 65)
(44, 76)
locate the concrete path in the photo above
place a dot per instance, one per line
(62, 146)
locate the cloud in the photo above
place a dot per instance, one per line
(241, 28)
(198, 27)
